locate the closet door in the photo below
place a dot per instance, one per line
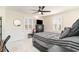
(0, 28)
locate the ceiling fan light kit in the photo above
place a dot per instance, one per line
(39, 12)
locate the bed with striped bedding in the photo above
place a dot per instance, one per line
(46, 40)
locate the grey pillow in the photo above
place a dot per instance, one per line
(68, 32)
(75, 29)
(65, 32)
(74, 32)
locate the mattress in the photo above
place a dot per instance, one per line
(48, 35)
(71, 43)
(48, 39)
(40, 47)
(40, 40)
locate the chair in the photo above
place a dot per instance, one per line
(4, 48)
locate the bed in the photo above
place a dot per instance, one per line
(66, 41)
(40, 40)
(45, 42)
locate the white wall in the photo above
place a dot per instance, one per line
(68, 18)
(48, 24)
(17, 33)
(8, 28)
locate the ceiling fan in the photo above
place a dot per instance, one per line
(41, 10)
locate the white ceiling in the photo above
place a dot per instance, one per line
(53, 9)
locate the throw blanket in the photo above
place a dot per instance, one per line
(72, 44)
(53, 39)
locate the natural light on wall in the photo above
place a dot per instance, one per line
(17, 22)
(57, 23)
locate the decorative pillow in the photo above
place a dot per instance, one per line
(76, 24)
(68, 32)
(75, 29)
(74, 32)
(65, 32)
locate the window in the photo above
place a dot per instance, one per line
(57, 23)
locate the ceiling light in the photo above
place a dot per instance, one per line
(39, 12)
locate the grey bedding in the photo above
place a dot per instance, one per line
(47, 35)
(69, 38)
(48, 39)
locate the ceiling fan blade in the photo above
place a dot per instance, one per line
(42, 13)
(43, 7)
(39, 6)
(45, 11)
